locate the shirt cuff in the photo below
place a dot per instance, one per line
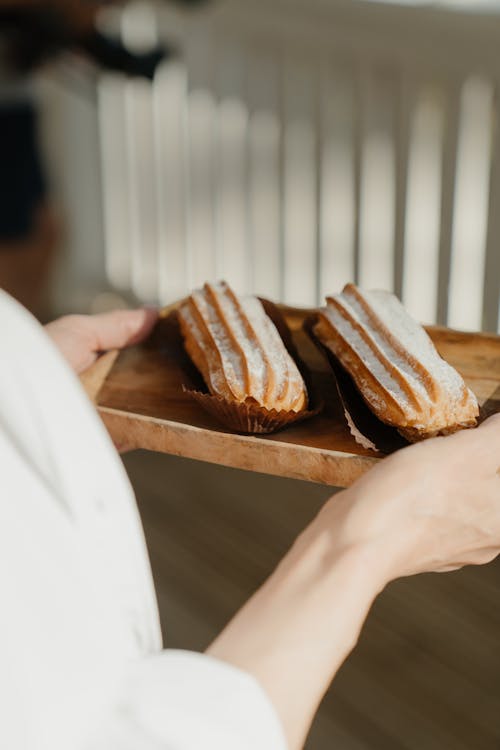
(182, 700)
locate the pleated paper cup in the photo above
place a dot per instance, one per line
(249, 416)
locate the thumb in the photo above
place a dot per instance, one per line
(120, 328)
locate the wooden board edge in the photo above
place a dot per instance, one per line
(95, 376)
(333, 468)
(445, 330)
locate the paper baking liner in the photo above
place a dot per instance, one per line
(247, 417)
(364, 426)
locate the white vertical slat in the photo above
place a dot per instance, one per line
(143, 205)
(257, 194)
(423, 205)
(232, 168)
(299, 183)
(200, 246)
(491, 298)
(201, 128)
(321, 72)
(471, 204)
(449, 157)
(337, 180)
(376, 242)
(71, 139)
(170, 96)
(359, 130)
(264, 176)
(115, 180)
(282, 115)
(404, 94)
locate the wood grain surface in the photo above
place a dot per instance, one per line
(142, 402)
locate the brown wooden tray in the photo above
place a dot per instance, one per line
(140, 398)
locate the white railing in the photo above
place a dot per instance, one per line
(296, 145)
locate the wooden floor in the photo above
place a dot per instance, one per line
(426, 673)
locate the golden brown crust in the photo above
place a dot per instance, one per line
(364, 379)
(395, 365)
(429, 383)
(238, 350)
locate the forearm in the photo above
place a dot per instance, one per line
(425, 508)
(296, 631)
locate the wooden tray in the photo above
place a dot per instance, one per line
(139, 396)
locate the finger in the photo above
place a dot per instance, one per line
(492, 425)
(482, 557)
(483, 442)
(120, 328)
(450, 568)
(489, 431)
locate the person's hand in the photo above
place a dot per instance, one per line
(434, 506)
(430, 507)
(81, 338)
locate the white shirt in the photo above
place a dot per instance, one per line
(81, 659)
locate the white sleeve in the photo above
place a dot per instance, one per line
(181, 700)
(81, 665)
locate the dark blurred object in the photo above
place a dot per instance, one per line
(31, 33)
(22, 182)
(111, 54)
(25, 262)
(30, 36)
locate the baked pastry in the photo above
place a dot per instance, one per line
(394, 364)
(238, 350)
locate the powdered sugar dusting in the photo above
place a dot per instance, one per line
(232, 364)
(252, 354)
(255, 362)
(399, 355)
(416, 342)
(288, 383)
(382, 375)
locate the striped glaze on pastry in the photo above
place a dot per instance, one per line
(394, 364)
(238, 350)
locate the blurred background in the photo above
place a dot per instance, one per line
(288, 146)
